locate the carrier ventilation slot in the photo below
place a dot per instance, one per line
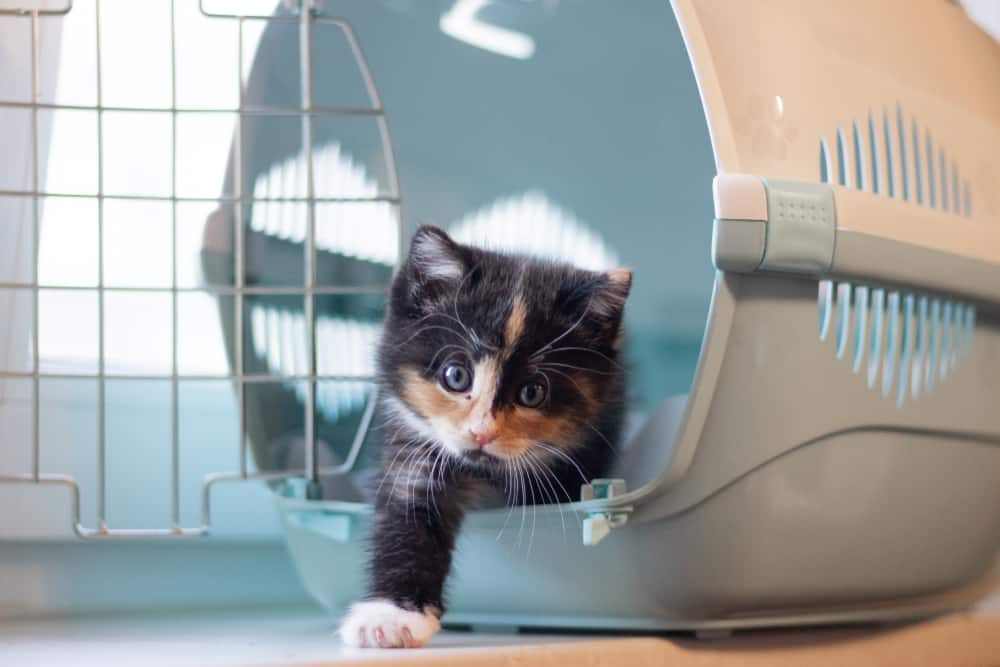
(913, 341)
(895, 160)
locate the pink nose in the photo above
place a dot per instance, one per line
(484, 437)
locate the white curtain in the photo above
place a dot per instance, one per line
(16, 166)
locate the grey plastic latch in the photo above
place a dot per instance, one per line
(801, 227)
(738, 245)
(597, 525)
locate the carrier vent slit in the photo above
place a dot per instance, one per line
(875, 350)
(843, 317)
(841, 158)
(891, 343)
(903, 171)
(918, 178)
(860, 177)
(861, 322)
(876, 177)
(932, 363)
(907, 350)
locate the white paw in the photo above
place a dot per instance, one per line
(381, 624)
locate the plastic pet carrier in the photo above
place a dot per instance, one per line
(814, 434)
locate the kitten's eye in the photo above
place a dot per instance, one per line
(531, 395)
(456, 377)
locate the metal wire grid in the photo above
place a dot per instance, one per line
(306, 15)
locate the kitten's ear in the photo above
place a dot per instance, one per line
(434, 256)
(609, 295)
(434, 265)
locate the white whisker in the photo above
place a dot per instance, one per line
(565, 375)
(545, 474)
(438, 353)
(431, 490)
(586, 349)
(566, 457)
(404, 447)
(549, 364)
(594, 429)
(404, 466)
(508, 484)
(428, 328)
(534, 507)
(568, 495)
(562, 335)
(524, 500)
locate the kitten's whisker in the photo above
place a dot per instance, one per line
(404, 470)
(524, 500)
(567, 494)
(569, 497)
(544, 470)
(594, 429)
(404, 447)
(549, 364)
(586, 349)
(438, 353)
(534, 507)
(562, 335)
(508, 489)
(426, 462)
(421, 469)
(442, 471)
(430, 489)
(428, 328)
(565, 375)
(388, 421)
(438, 313)
(545, 473)
(404, 465)
(558, 452)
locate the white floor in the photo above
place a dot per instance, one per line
(274, 637)
(209, 639)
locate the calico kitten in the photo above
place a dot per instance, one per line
(485, 359)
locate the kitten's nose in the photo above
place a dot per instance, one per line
(484, 435)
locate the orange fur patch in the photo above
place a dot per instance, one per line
(423, 395)
(514, 328)
(520, 428)
(431, 401)
(621, 277)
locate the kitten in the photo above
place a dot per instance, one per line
(485, 359)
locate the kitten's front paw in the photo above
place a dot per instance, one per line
(382, 624)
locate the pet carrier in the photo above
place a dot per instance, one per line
(822, 469)
(813, 435)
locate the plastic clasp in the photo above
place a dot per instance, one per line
(597, 525)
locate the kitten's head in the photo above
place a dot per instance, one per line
(493, 355)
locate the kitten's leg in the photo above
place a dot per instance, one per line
(412, 540)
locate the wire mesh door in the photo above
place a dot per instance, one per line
(243, 209)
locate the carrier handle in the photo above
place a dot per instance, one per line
(816, 229)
